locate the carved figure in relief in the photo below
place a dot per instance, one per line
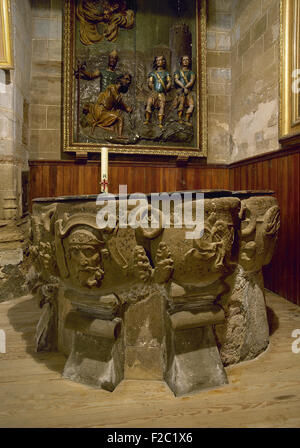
(80, 250)
(44, 253)
(46, 331)
(105, 113)
(107, 77)
(259, 234)
(159, 82)
(245, 332)
(42, 248)
(214, 246)
(45, 285)
(184, 80)
(84, 258)
(114, 15)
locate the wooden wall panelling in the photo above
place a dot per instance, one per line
(281, 174)
(49, 179)
(206, 178)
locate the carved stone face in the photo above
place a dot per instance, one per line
(160, 62)
(185, 62)
(126, 80)
(84, 258)
(112, 61)
(259, 232)
(125, 83)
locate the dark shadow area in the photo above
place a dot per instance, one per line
(273, 320)
(24, 317)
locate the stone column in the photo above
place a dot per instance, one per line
(14, 102)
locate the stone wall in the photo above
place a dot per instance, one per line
(255, 75)
(219, 24)
(14, 105)
(46, 80)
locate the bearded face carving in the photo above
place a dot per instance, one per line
(83, 256)
(80, 250)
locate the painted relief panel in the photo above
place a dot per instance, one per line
(290, 73)
(134, 76)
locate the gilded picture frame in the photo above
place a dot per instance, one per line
(6, 53)
(289, 123)
(72, 140)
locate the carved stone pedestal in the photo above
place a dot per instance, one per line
(194, 362)
(97, 352)
(193, 359)
(145, 340)
(150, 303)
(95, 340)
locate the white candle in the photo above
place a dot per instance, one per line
(104, 170)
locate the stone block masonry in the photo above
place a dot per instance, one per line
(46, 80)
(14, 117)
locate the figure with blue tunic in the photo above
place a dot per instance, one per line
(184, 80)
(159, 82)
(107, 77)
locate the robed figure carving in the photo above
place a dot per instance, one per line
(106, 112)
(114, 15)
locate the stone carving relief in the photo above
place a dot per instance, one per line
(46, 331)
(245, 332)
(46, 286)
(259, 232)
(80, 246)
(83, 257)
(42, 242)
(163, 270)
(114, 15)
(207, 293)
(214, 247)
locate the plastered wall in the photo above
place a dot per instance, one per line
(255, 78)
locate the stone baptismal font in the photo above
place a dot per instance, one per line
(148, 303)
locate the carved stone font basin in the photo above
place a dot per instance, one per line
(143, 303)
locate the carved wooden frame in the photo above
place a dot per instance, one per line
(289, 131)
(6, 54)
(82, 149)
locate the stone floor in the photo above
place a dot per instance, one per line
(261, 393)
